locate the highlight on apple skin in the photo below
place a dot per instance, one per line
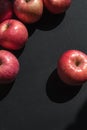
(6, 11)
(9, 67)
(28, 11)
(13, 34)
(72, 67)
(57, 6)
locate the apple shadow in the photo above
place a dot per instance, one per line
(17, 53)
(31, 28)
(49, 21)
(12, 0)
(59, 92)
(80, 122)
(5, 89)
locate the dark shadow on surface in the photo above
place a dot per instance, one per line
(17, 53)
(59, 92)
(5, 89)
(49, 21)
(81, 120)
(31, 28)
(12, 0)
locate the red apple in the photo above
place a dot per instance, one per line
(72, 67)
(28, 11)
(57, 6)
(13, 34)
(5, 10)
(9, 67)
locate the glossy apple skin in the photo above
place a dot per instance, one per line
(28, 11)
(13, 34)
(6, 11)
(57, 6)
(72, 67)
(9, 67)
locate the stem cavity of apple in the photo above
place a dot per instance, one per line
(77, 63)
(27, 0)
(8, 24)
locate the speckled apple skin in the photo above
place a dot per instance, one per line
(30, 11)
(72, 67)
(13, 34)
(57, 6)
(9, 67)
(6, 11)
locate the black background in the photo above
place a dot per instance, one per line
(37, 99)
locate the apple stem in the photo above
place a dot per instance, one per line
(8, 25)
(77, 63)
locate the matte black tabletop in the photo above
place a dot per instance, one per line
(37, 99)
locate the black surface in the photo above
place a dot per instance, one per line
(33, 101)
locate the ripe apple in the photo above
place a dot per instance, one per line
(72, 67)
(9, 67)
(13, 34)
(57, 6)
(28, 11)
(6, 11)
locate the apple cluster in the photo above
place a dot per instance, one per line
(14, 33)
(72, 64)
